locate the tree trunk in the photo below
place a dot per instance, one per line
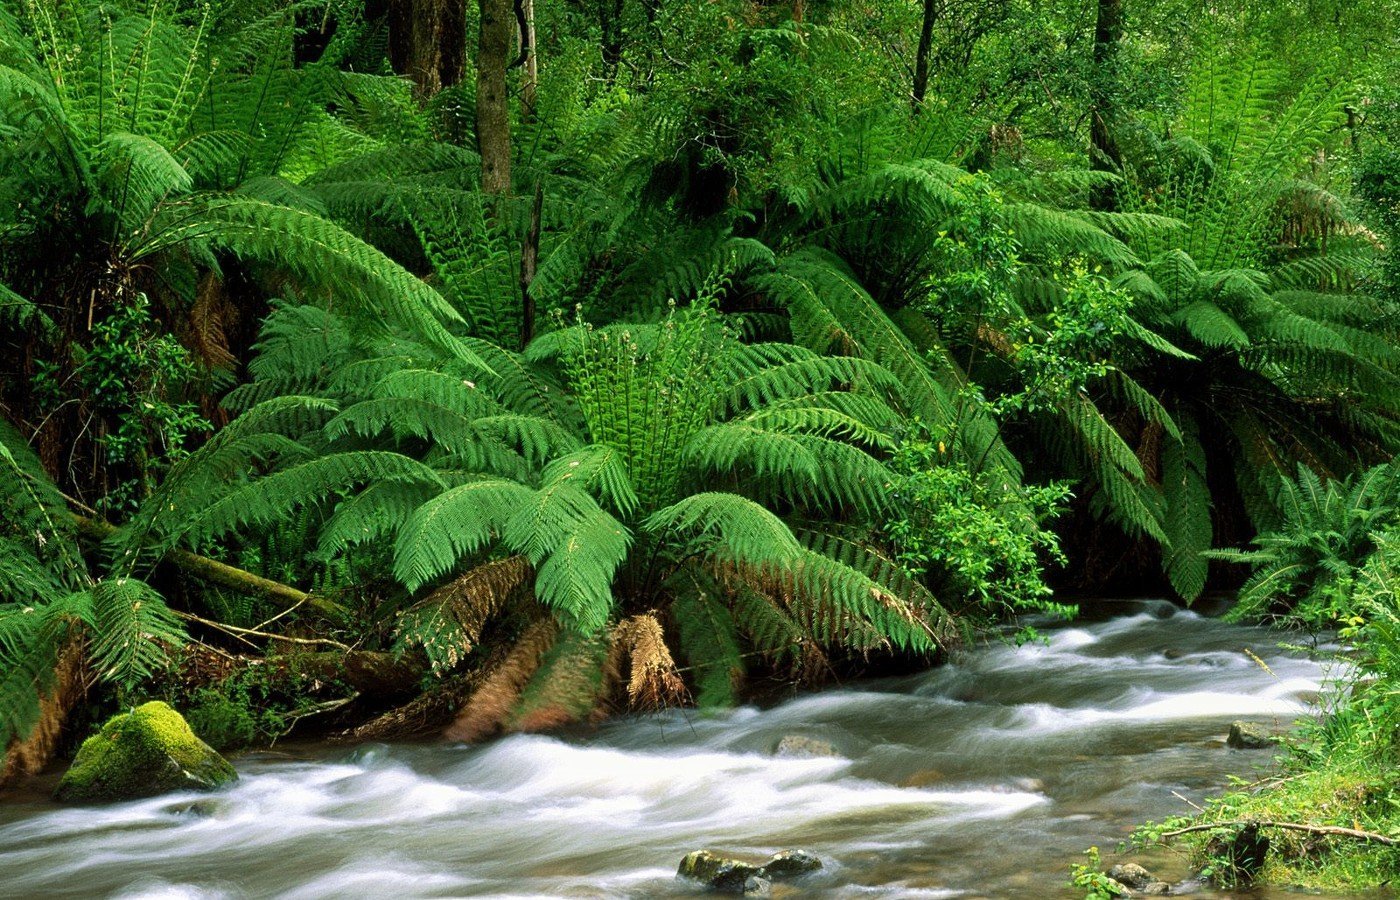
(498, 29)
(529, 83)
(931, 11)
(428, 43)
(610, 24)
(1104, 155)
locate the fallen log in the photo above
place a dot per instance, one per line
(223, 574)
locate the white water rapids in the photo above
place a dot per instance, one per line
(984, 778)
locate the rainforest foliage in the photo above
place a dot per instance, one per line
(686, 342)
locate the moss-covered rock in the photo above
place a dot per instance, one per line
(148, 751)
(1248, 736)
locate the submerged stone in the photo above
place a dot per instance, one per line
(787, 864)
(733, 876)
(1247, 736)
(721, 873)
(1132, 875)
(801, 745)
(148, 751)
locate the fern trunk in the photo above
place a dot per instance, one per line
(29, 756)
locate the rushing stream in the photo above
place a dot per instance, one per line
(984, 778)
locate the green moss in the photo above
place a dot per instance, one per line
(222, 721)
(148, 751)
(1347, 792)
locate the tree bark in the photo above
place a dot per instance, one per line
(498, 28)
(931, 11)
(428, 43)
(368, 672)
(1104, 155)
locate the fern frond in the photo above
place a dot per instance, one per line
(133, 631)
(448, 623)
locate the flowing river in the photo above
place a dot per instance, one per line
(983, 778)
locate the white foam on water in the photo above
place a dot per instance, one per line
(610, 815)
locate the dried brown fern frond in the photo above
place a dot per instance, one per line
(209, 319)
(653, 681)
(491, 705)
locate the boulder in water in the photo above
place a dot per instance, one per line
(1156, 889)
(720, 873)
(787, 864)
(1131, 875)
(801, 745)
(1247, 736)
(732, 876)
(148, 751)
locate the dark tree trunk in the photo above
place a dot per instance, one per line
(610, 24)
(498, 31)
(931, 10)
(1104, 155)
(529, 57)
(428, 43)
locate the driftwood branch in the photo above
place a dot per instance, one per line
(1331, 830)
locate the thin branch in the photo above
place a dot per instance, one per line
(1333, 830)
(236, 631)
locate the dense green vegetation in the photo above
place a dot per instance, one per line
(687, 342)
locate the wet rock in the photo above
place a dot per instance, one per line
(1131, 875)
(720, 873)
(924, 778)
(1247, 736)
(148, 751)
(787, 864)
(733, 876)
(201, 809)
(1173, 653)
(1157, 889)
(801, 745)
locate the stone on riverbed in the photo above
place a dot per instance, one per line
(1131, 875)
(148, 751)
(801, 745)
(733, 876)
(1247, 736)
(720, 873)
(787, 864)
